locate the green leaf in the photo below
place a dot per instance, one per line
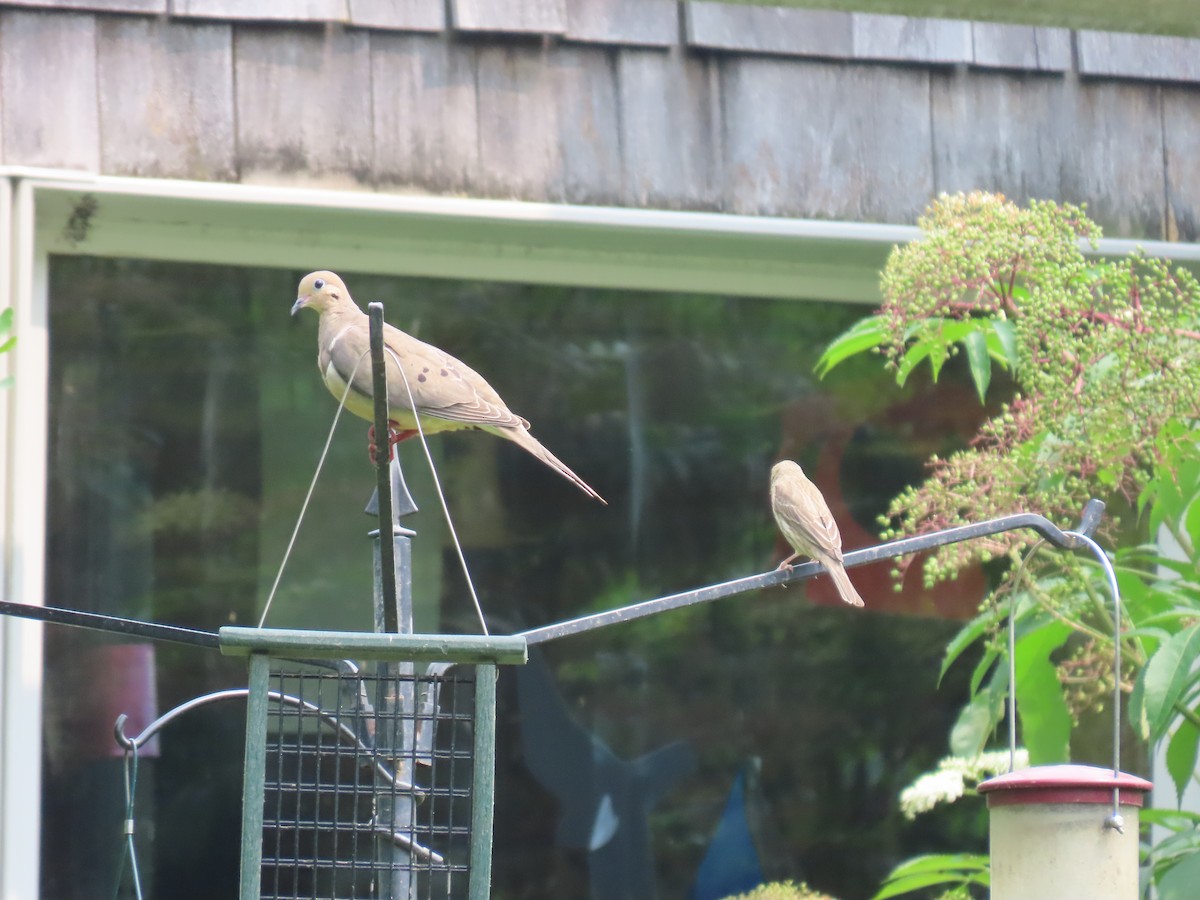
(912, 358)
(939, 862)
(1181, 756)
(978, 719)
(1045, 719)
(1139, 721)
(860, 337)
(979, 361)
(6, 319)
(1174, 819)
(967, 635)
(1005, 334)
(8, 345)
(927, 871)
(1179, 882)
(1168, 675)
(981, 670)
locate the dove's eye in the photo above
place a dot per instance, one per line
(318, 284)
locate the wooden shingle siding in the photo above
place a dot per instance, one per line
(1020, 47)
(49, 115)
(1181, 120)
(681, 105)
(1038, 137)
(670, 129)
(510, 16)
(264, 10)
(1114, 159)
(904, 39)
(402, 15)
(547, 125)
(630, 23)
(303, 100)
(424, 112)
(761, 29)
(154, 7)
(1139, 56)
(1000, 133)
(178, 124)
(837, 140)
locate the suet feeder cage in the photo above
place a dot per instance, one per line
(371, 778)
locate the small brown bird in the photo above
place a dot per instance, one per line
(805, 520)
(448, 394)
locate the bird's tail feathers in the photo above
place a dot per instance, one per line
(527, 441)
(844, 585)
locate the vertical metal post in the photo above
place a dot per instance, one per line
(383, 452)
(395, 704)
(255, 777)
(483, 779)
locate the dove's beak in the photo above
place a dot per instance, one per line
(301, 302)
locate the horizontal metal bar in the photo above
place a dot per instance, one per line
(1043, 526)
(114, 624)
(460, 648)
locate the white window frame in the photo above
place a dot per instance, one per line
(43, 212)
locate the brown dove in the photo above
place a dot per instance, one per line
(805, 520)
(448, 394)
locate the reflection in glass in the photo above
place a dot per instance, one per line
(186, 419)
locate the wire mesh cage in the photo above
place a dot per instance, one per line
(370, 762)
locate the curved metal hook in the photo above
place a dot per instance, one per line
(132, 744)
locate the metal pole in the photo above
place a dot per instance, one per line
(396, 701)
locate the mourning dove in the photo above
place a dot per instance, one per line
(448, 394)
(805, 520)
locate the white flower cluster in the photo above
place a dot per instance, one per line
(949, 780)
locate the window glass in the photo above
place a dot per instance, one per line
(186, 420)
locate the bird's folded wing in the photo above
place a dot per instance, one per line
(819, 526)
(441, 385)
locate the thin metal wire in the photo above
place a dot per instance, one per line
(131, 760)
(437, 483)
(1115, 820)
(307, 497)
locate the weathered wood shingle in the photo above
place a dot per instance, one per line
(1000, 133)
(670, 129)
(630, 23)
(1044, 137)
(548, 124)
(905, 39)
(49, 115)
(402, 15)
(1020, 47)
(1139, 56)
(760, 29)
(425, 116)
(1181, 123)
(179, 123)
(154, 7)
(836, 140)
(264, 10)
(303, 99)
(510, 16)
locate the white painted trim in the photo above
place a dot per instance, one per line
(24, 458)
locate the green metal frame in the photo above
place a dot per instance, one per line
(483, 652)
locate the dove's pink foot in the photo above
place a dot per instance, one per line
(396, 434)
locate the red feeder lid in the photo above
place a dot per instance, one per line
(1063, 784)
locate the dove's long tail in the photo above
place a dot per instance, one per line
(527, 441)
(842, 582)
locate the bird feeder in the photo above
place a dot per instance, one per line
(1064, 832)
(372, 778)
